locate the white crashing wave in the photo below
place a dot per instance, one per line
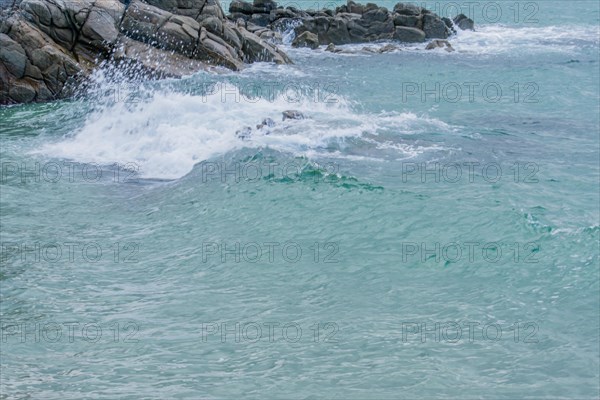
(168, 132)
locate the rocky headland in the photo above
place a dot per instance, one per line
(49, 47)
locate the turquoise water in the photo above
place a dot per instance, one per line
(316, 260)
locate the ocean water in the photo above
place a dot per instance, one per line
(429, 230)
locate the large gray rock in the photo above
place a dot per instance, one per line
(264, 6)
(179, 34)
(306, 39)
(213, 49)
(142, 57)
(61, 20)
(260, 19)
(32, 66)
(409, 35)
(186, 8)
(411, 21)
(12, 56)
(354, 8)
(100, 30)
(141, 21)
(257, 49)
(464, 22)
(408, 9)
(101, 27)
(376, 15)
(213, 25)
(338, 32)
(212, 8)
(434, 27)
(241, 7)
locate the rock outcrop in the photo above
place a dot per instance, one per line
(464, 22)
(351, 23)
(306, 39)
(47, 47)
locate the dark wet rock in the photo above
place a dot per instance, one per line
(256, 49)
(357, 23)
(285, 24)
(408, 9)
(236, 16)
(187, 8)
(241, 7)
(355, 8)
(409, 35)
(449, 24)
(376, 15)
(13, 56)
(264, 6)
(434, 27)
(260, 19)
(32, 66)
(463, 22)
(409, 21)
(306, 39)
(292, 114)
(49, 47)
(142, 57)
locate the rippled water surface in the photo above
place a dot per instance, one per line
(430, 229)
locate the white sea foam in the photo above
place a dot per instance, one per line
(169, 132)
(499, 39)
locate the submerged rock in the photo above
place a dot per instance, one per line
(292, 114)
(387, 48)
(438, 43)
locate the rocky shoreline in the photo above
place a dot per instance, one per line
(49, 47)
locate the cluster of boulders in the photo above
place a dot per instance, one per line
(47, 44)
(350, 23)
(50, 46)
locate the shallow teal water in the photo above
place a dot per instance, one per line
(392, 240)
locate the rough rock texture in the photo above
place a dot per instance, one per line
(464, 22)
(48, 47)
(350, 23)
(306, 39)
